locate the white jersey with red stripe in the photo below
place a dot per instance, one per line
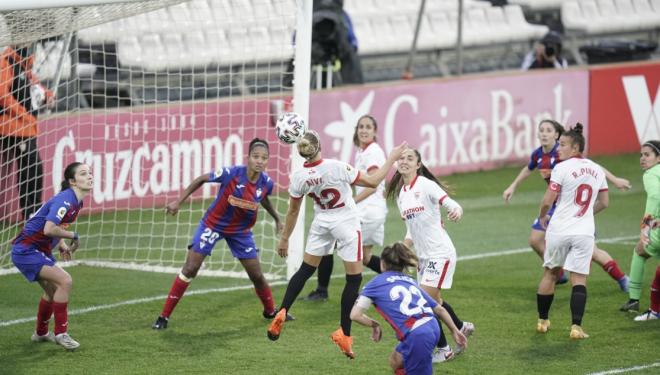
(328, 182)
(578, 182)
(419, 204)
(370, 159)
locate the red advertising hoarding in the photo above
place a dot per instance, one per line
(624, 108)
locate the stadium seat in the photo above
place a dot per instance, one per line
(646, 15)
(516, 19)
(47, 57)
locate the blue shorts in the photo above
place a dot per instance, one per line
(242, 245)
(29, 261)
(417, 348)
(537, 226)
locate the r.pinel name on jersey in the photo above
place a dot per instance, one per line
(584, 171)
(410, 213)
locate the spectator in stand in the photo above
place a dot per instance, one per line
(547, 53)
(21, 95)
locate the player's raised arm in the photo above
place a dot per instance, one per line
(620, 183)
(265, 203)
(508, 193)
(372, 180)
(172, 208)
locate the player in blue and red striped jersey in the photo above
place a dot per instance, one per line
(32, 252)
(544, 159)
(408, 309)
(231, 217)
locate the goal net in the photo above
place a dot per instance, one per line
(150, 94)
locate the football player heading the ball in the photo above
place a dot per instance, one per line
(408, 309)
(328, 182)
(32, 253)
(231, 217)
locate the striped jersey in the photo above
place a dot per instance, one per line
(62, 210)
(234, 209)
(544, 162)
(419, 204)
(400, 301)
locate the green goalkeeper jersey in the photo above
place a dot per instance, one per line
(652, 187)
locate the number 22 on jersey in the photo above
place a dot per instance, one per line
(407, 306)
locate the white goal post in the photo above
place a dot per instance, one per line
(151, 94)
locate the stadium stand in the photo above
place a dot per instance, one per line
(494, 37)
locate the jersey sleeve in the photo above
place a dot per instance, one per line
(221, 176)
(58, 210)
(296, 189)
(269, 185)
(348, 173)
(533, 161)
(556, 178)
(363, 302)
(434, 192)
(652, 187)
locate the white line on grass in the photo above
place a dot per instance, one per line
(85, 310)
(627, 369)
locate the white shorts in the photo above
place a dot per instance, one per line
(436, 272)
(373, 231)
(346, 233)
(573, 253)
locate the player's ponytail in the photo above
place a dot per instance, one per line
(309, 145)
(397, 257)
(69, 174)
(576, 136)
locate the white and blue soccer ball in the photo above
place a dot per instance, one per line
(290, 127)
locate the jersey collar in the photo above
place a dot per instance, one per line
(412, 183)
(314, 164)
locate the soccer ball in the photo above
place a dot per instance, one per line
(290, 127)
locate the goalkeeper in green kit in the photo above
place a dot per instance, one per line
(649, 242)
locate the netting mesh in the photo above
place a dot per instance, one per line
(149, 100)
(22, 26)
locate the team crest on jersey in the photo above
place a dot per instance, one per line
(417, 194)
(258, 192)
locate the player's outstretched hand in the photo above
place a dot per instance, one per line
(455, 215)
(172, 208)
(396, 152)
(376, 331)
(283, 247)
(508, 193)
(65, 251)
(622, 184)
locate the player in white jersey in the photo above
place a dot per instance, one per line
(420, 197)
(580, 189)
(371, 204)
(328, 182)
